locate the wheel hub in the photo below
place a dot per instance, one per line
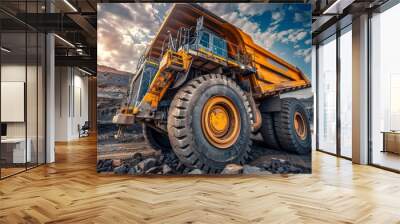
(220, 122)
(300, 126)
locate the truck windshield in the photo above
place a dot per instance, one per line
(144, 80)
(205, 39)
(213, 43)
(219, 47)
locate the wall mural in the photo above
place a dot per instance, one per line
(213, 88)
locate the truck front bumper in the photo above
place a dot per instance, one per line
(123, 119)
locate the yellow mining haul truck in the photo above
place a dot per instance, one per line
(203, 86)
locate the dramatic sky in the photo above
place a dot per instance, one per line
(125, 29)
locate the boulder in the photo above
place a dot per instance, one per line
(180, 167)
(251, 169)
(138, 170)
(276, 163)
(186, 170)
(232, 169)
(153, 170)
(281, 170)
(105, 169)
(195, 171)
(123, 169)
(116, 162)
(293, 169)
(107, 163)
(99, 163)
(134, 160)
(137, 155)
(104, 165)
(166, 169)
(132, 171)
(147, 164)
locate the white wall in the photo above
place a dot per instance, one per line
(33, 126)
(71, 102)
(61, 103)
(16, 73)
(80, 110)
(12, 73)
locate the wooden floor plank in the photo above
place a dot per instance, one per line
(70, 191)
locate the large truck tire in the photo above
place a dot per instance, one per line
(268, 132)
(292, 127)
(156, 139)
(209, 123)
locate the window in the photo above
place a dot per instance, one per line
(22, 66)
(334, 106)
(219, 47)
(346, 92)
(394, 102)
(327, 95)
(205, 39)
(385, 87)
(148, 73)
(314, 90)
(16, 154)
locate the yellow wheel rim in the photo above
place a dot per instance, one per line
(300, 126)
(220, 120)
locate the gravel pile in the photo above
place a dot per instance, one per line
(168, 163)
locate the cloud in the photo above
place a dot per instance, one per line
(292, 35)
(124, 29)
(240, 15)
(264, 38)
(219, 9)
(298, 17)
(241, 22)
(303, 17)
(245, 9)
(305, 53)
(277, 17)
(251, 9)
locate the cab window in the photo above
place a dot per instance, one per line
(219, 46)
(205, 39)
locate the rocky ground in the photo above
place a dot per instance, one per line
(139, 159)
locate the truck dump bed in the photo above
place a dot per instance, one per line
(272, 74)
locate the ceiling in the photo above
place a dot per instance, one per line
(331, 15)
(73, 21)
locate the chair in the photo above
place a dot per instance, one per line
(84, 130)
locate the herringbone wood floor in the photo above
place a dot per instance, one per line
(70, 191)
